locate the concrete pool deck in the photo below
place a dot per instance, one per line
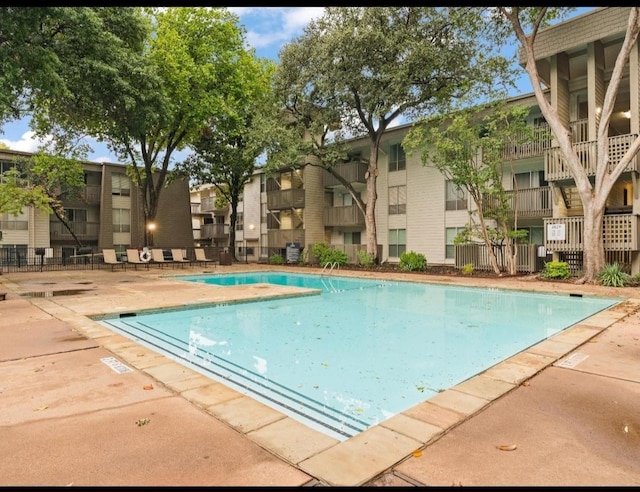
(81, 405)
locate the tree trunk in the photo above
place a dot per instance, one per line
(593, 244)
(372, 195)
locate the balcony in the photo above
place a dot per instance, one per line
(620, 233)
(87, 231)
(528, 203)
(352, 172)
(541, 140)
(343, 216)
(279, 238)
(285, 199)
(557, 169)
(214, 231)
(208, 204)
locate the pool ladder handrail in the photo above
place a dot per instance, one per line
(332, 265)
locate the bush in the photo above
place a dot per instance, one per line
(467, 269)
(334, 256)
(410, 261)
(276, 259)
(556, 270)
(613, 276)
(364, 258)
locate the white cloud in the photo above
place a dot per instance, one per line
(26, 143)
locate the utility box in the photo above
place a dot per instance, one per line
(226, 258)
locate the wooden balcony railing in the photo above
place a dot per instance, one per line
(540, 142)
(285, 199)
(343, 216)
(556, 168)
(214, 231)
(353, 172)
(530, 202)
(279, 238)
(82, 230)
(208, 204)
(620, 233)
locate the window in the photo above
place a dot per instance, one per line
(352, 238)
(263, 183)
(76, 214)
(397, 159)
(450, 234)
(239, 221)
(120, 184)
(531, 179)
(397, 200)
(456, 198)
(263, 213)
(397, 242)
(121, 220)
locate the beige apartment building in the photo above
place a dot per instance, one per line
(107, 215)
(418, 210)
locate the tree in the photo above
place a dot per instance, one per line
(370, 65)
(227, 149)
(593, 195)
(45, 51)
(45, 180)
(181, 77)
(467, 148)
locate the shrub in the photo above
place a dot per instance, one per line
(364, 258)
(334, 256)
(318, 249)
(276, 259)
(613, 276)
(556, 270)
(410, 261)
(467, 269)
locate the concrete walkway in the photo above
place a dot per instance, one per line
(81, 405)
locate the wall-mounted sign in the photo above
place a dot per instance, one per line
(556, 232)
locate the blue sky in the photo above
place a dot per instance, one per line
(268, 29)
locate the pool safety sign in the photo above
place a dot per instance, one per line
(556, 232)
(116, 365)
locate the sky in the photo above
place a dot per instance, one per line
(267, 30)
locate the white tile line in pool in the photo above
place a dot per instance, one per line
(372, 452)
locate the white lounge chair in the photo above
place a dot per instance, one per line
(157, 256)
(178, 257)
(110, 258)
(133, 258)
(201, 257)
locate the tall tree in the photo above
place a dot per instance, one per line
(370, 65)
(226, 152)
(181, 78)
(526, 23)
(44, 51)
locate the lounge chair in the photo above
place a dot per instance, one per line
(110, 258)
(157, 256)
(178, 257)
(133, 258)
(201, 257)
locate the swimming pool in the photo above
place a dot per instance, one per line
(359, 352)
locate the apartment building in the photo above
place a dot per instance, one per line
(418, 210)
(107, 215)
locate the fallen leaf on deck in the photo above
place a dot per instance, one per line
(507, 447)
(141, 422)
(148, 387)
(417, 453)
(42, 408)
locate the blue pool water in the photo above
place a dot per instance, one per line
(359, 352)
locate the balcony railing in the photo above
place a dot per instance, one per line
(530, 202)
(82, 230)
(279, 238)
(540, 141)
(285, 199)
(214, 231)
(343, 216)
(620, 233)
(556, 167)
(208, 204)
(353, 172)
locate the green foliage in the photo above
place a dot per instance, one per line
(364, 258)
(612, 275)
(327, 255)
(276, 259)
(467, 269)
(556, 270)
(318, 249)
(410, 261)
